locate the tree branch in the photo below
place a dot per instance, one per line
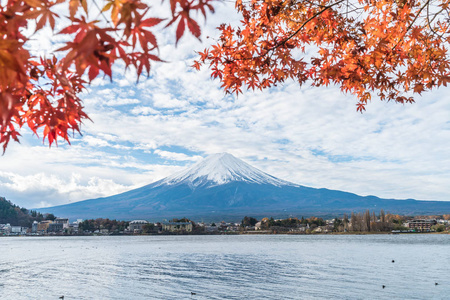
(410, 25)
(303, 25)
(428, 20)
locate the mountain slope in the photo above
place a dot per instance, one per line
(222, 186)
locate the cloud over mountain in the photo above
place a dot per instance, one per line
(222, 186)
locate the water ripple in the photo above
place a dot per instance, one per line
(225, 267)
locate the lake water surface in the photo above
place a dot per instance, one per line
(226, 267)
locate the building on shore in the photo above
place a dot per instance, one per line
(16, 229)
(55, 227)
(422, 224)
(74, 228)
(258, 225)
(42, 226)
(177, 226)
(5, 229)
(8, 229)
(211, 228)
(136, 226)
(63, 221)
(34, 227)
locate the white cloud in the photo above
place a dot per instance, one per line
(41, 188)
(67, 174)
(177, 156)
(166, 101)
(95, 142)
(311, 136)
(144, 110)
(122, 101)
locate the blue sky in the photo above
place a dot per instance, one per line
(311, 136)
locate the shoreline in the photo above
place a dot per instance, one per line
(228, 233)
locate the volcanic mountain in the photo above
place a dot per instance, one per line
(222, 186)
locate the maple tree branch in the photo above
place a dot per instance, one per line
(303, 25)
(346, 14)
(432, 20)
(412, 23)
(293, 34)
(355, 9)
(101, 12)
(104, 17)
(312, 3)
(428, 20)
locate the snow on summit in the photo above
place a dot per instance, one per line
(220, 169)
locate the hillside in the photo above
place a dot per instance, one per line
(17, 216)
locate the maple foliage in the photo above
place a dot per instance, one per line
(42, 92)
(391, 48)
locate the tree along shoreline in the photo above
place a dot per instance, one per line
(358, 224)
(15, 220)
(219, 233)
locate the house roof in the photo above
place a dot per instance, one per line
(177, 223)
(139, 222)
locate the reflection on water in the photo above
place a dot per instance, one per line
(226, 267)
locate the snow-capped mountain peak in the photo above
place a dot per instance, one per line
(220, 169)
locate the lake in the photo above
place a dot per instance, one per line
(226, 267)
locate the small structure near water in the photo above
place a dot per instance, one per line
(137, 226)
(177, 226)
(422, 224)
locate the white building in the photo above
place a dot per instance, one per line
(34, 227)
(137, 225)
(16, 229)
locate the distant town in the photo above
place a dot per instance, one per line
(356, 223)
(18, 221)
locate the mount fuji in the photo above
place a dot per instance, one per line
(222, 186)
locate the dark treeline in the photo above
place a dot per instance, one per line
(355, 222)
(291, 223)
(369, 222)
(182, 220)
(19, 216)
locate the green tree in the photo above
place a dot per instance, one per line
(15, 215)
(248, 221)
(148, 228)
(183, 220)
(337, 225)
(50, 217)
(382, 216)
(438, 228)
(345, 222)
(366, 221)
